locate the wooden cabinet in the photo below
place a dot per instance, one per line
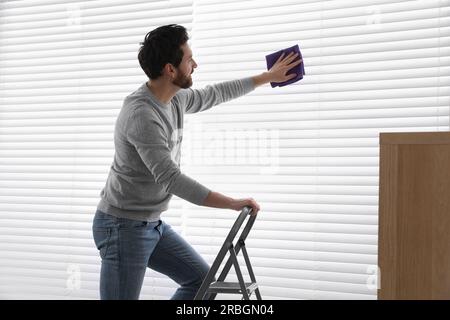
(414, 216)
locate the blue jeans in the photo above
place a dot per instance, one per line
(127, 247)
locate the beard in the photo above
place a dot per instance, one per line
(183, 81)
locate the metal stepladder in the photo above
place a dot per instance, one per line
(209, 289)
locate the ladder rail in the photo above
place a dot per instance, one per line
(238, 246)
(227, 245)
(250, 270)
(239, 274)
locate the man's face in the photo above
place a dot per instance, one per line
(183, 78)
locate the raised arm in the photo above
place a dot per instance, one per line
(197, 100)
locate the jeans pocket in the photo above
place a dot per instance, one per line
(158, 226)
(125, 223)
(101, 239)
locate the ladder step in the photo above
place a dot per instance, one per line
(231, 287)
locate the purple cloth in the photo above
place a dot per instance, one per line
(299, 69)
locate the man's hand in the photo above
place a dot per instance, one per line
(278, 71)
(217, 200)
(239, 204)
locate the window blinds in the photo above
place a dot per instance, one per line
(65, 67)
(308, 152)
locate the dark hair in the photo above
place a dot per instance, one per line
(162, 46)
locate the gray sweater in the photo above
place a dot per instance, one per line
(146, 172)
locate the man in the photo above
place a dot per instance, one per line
(127, 228)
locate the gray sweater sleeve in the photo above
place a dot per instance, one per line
(196, 100)
(150, 141)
